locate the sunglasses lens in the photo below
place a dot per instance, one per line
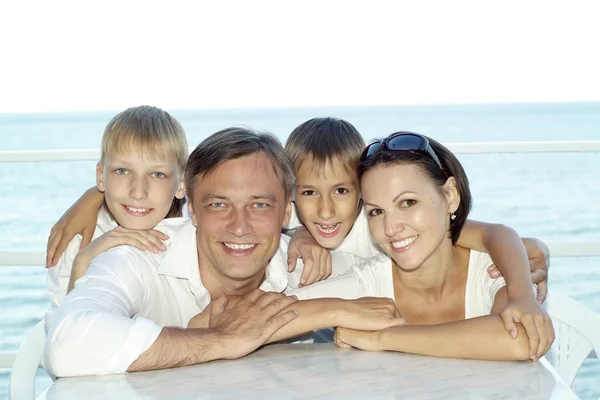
(407, 142)
(371, 149)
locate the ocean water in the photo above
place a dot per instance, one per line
(549, 196)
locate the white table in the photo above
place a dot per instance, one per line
(315, 371)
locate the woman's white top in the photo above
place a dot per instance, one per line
(358, 242)
(373, 278)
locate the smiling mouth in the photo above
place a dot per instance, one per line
(404, 244)
(137, 211)
(328, 230)
(239, 249)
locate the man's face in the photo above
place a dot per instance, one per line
(239, 210)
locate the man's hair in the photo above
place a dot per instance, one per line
(323, 140)
(152, 133)
(233, 143)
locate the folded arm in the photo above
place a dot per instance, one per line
(477, 338)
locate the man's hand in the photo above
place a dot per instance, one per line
(370, 314)
(81, 218)
(535, 321)
(251, 322)
(316, 259)
(539, 264)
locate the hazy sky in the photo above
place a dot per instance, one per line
(72, 55)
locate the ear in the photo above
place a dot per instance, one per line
(190, 207)
(180, 194)
(100, 177)
(451, 195)
(288, 212)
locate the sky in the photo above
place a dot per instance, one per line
(58, 56)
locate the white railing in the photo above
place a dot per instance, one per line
(557, 249)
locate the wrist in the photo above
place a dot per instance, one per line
(519, 291)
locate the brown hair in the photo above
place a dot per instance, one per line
(151, 132)
(232, 143)
(321, 140)
(450, 164)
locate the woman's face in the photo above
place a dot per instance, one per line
(409, 215)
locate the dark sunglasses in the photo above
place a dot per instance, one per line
(408, 142)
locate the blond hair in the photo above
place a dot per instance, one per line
(152, 133)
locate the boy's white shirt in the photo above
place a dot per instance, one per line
(358, 242)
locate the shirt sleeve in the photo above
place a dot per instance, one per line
(92, 332)
(361, 280)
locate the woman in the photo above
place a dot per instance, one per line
(416, 195)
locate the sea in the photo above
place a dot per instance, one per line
(551, 196)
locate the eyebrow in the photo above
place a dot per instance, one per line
(393, 201)
(345, 183)
(128, 163)
(262, 196)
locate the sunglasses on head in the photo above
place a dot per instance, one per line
(407, 142)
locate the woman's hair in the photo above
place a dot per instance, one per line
(450, 164)
(321, 140)
(151, 132)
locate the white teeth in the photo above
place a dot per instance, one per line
(137, 210)
(234, 246)
(404, 242)
(328, 228)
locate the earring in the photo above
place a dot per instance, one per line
(452, 216)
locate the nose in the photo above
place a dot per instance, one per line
(392, 224)
(240, 223)
(139, 188)
(326, 209)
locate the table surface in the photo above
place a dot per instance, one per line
(325, 371)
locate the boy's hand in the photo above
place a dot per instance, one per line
(150, 240)
(363, 340)
(81, 218)
(316, 259)
(539, 263)
(535, 321)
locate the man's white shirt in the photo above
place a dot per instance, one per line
(119, 307)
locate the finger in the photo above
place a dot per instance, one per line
(218, 306)
(159, 234)
(509, 323)
(550, 331)
(532, 332)
(86, 237)
(53, 240)
(253, 296)
(542, 291)
(273, 303)
(537, 276)
(291, 262)
(277, 322)
(315, 273)
(494, 272)
(308, 266)
(339, 342)
(153, 243)
(62, 245)
(541, 328)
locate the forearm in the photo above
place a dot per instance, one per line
(506, 250)
(180, 347)
(477, 338)
(312, 315)
(92, 198)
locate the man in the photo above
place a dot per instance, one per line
(138, 310)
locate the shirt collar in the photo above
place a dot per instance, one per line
(181, 259)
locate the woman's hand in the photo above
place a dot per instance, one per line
(316, 259)
(535, 321)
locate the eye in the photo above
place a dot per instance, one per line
(309, 193)
(260, 205)
(408, 203)
(217, 205)
(159, 175)
(121, 171)
(341, 191)
(375, 212)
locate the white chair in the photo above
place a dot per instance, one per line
(24, 370)
(577, 331)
